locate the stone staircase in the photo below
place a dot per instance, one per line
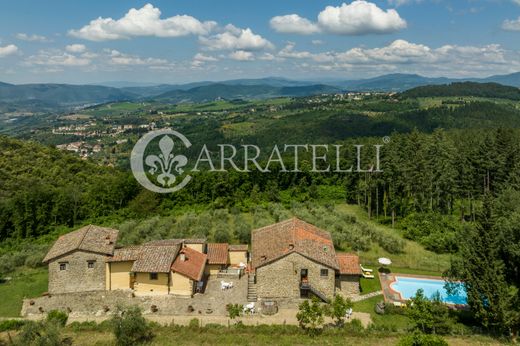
(251, 289)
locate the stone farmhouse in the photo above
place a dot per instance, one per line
(293, 259)
(88, 260)
(77, 259)
(290, 260)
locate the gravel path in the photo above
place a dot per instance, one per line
(366, 296)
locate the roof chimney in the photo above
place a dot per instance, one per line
(183, 256)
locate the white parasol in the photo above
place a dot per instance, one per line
(384, 261)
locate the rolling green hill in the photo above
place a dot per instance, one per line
(489, 90)
(41, 187)
(212, 92)
(60, 94)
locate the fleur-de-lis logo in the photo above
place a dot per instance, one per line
(165, 167)
(165, 162)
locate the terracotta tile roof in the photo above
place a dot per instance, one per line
(193, 264)
(128, 253)
(349, 264)
(238, 247)
(155, 259)
(90, 238)
(176, 241)
(218, 253)
(163, 242)
(275, 241)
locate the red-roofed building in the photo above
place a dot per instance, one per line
(349, 273)
(218, 257)
(293, 259)
(187, 271)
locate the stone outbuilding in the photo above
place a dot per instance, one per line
(293, 259)
(349, 274)
(76, 261)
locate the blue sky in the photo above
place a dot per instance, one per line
(182, 41)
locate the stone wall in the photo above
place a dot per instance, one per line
(348, 285)
(77, 277)
(281, 279)
(104, 303)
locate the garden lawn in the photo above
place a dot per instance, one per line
(390, 322)
(414, 256)
(24, 283)
(370, 285)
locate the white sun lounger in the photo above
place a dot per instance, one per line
(367, 276)
(366, 269)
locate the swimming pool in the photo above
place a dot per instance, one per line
(408, 286)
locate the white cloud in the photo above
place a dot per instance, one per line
(241, 55)
(360, 17)
(233, 38)
(8, 50)
(118, 58)
(398, 3)
(76, 48)
(268, 57)
(290, 53)
(145, 21)
(56, 58)
(203, 57)
(511, 24)
(293, 24)
(398, 52)
(31, 38)
(516, 2)
(317, 42)
(404, 56)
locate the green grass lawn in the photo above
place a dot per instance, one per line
(414, 257)
(370, 285)
(24, 283)
(393, 322)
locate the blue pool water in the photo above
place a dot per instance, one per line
(408, 287)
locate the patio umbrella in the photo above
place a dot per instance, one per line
(384, 261)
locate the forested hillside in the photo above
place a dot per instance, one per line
(41, 187)
(491, 90)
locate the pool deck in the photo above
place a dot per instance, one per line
(395, 297)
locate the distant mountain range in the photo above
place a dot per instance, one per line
(65, 95)
(215, 91)
(61, 94)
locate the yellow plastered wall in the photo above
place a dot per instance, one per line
(196, 247)
(107, 276)
(235, 257)
(144, 286)
(212, 269)
(119, 275)
(181, 285)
